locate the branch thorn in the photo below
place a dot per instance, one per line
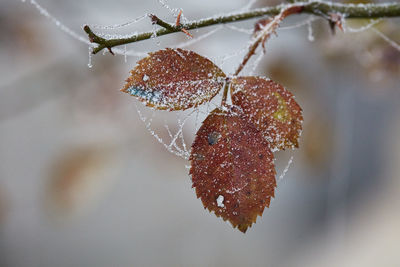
(178, 24)
(335, 20)
(111, 52)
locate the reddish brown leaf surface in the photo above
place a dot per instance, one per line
(232, 168)
(271, 108)
(174, 79)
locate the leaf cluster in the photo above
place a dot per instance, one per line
(232, 164)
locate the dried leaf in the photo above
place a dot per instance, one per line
(232, 168)
(174, 79)
(271, 108)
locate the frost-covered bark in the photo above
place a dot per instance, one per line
(317, 8)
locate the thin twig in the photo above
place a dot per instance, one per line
(314, 7)
(262, 36)
(266, 32)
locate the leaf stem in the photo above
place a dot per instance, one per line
(225, 94)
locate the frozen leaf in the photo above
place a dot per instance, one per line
(271, 108)
(232, 168)
(174, 79)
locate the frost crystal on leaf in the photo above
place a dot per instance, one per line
(220, 201)
(234, 175)
(174, 79)
(271, 108)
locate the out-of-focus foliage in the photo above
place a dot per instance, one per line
(78, 177)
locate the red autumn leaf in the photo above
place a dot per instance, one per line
(271, 108)
(232, 168)
(174, 79)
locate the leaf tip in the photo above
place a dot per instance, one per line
(243, 227)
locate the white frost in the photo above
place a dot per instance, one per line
(310, 32)
(220, 201)
(145, 78)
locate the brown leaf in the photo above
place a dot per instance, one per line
(271, 108)
(174, 79)
(232, 168)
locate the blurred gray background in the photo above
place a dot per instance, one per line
(83, 183)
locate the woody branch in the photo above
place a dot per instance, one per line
(318, 8)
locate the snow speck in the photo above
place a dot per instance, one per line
(90, 57)
(310, 32)
(220, 201)
(145, 78)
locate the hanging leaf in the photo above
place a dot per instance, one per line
(174, 79)
(271, 108)
(232, 168)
